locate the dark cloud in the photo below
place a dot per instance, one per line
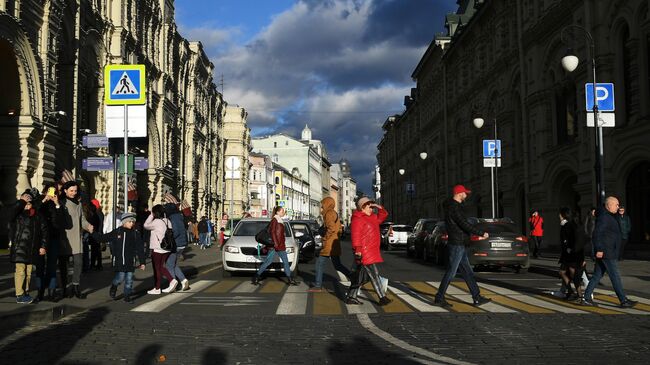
(341, 66)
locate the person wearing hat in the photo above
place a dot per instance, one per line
(365, 243)
(459, 231)
(126, 245)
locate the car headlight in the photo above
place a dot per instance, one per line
(232, 249)
(290, 249)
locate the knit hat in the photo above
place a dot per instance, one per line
(128, 217)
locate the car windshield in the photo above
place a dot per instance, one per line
(251, 228)
(402, 229)
(498, 227)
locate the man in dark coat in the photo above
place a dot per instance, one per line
(126, 245)
(607, 243)
(458, 231)
(28, 234)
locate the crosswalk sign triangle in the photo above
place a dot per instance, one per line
(125, 86)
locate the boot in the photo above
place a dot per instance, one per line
(112, 291)
(41, 294)
(256, 280)
(77, 292)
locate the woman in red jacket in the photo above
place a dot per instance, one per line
(277, 234)
(365, 243)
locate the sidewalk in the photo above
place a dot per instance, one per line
(634, 273)
(94, 284)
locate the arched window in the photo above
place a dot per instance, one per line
(566, 114)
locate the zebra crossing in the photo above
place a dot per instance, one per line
(407, 297)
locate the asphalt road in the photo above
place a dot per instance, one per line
(229, 321)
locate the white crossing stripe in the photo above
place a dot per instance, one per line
(246, 287)
(633, 297)
(294, 300)
(364, 308)
(160, 304)
(463, 296)
(525, 298)
(416, 303)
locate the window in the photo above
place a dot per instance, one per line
(566, 114)
(286, 143)
(275, 144)
(275, 158)
(277, 180)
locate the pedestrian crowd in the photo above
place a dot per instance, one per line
(63, 230)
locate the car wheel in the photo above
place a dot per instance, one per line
(226, 274)
(522, 269)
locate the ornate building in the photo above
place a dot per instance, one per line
(501, 60)
(52, 56)
(237, 142)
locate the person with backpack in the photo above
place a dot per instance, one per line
(331, 244)
(276, 229)
(180, 237)
(158, 225)
(126, 245)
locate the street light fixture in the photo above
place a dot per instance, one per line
(570, 63)
(401, 171)
(423, 155)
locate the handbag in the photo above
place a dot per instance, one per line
(168, 242)
(264, 237)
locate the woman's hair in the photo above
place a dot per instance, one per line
(158, 211)
(276, 210)
(565, 212)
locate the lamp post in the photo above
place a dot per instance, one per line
(494, 177)
(570, 63)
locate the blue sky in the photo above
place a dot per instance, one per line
(341, 66)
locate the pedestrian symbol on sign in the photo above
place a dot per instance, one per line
(124, 86)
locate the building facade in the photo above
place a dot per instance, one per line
(52, 56)
(261, 186)
(292, 192)
(306, 155)
(237, 141)
(347, 190)
(501, 60)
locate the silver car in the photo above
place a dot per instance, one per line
(240, 252)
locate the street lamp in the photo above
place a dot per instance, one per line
(570, 63)
(401, 171)
(494, 177)
(423, 155)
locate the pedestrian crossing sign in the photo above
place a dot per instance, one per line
(124, 84)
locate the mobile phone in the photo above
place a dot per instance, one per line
(51, 191)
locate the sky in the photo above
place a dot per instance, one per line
(340, 66)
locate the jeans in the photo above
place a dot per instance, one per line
(204, 239)
(172, 264)
(269, 261)
(127, 277)
(159, 269)
(320, 263)
(458, 261)
(609, 266)
(22, 277)
(362, 275)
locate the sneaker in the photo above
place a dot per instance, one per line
(292, 282)
(21, 299)
(172, 287)
(112, 291)
(185, 285)
(154, 291)
(384, 301)
(128, 298)
(315, 289)
(628, 303)
(353, 301)
(587, 303)
(481, 300)
(441, 303)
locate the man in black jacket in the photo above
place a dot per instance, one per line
(606, 240)
(458, 231)
(28, 234)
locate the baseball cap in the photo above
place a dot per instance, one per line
(461, 189)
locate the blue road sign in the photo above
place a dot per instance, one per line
(97, 164)
(490, 148)
(95, 141)
(604, 97)
(126, 84)
(141, 163)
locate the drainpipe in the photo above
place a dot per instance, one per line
(522, 100)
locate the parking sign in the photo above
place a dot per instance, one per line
(491, 147)
(604, 96)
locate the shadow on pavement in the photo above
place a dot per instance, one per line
(214, 356)
(55, 341)
(362, 351)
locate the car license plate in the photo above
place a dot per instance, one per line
(501, 244)
(251, 259)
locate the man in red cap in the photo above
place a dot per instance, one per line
(458, 232)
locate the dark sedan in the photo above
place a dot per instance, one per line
(423, 228)
(305, 237)
(506, 246)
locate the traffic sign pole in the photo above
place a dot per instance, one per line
(126, 159)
